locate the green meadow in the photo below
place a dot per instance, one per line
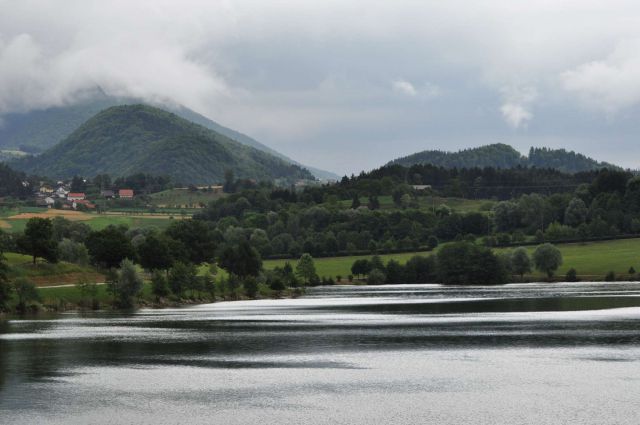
(592, 260)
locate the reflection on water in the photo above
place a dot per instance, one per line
(535, 354)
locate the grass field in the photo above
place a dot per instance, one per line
(44, 274)
(591, 260)
(15, 220)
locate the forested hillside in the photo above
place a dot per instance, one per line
(504, 156)
(39, 130)
(125, 140)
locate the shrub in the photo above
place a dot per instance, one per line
(376, 277)
(610, 277)
(571, 276)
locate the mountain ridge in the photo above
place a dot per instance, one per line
(123, 140)
(500, 155)
(38, 130)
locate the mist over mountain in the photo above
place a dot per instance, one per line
(36, 131)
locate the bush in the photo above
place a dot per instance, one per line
(610, 277)
(463, 263)
(376, 277)
(571, 276)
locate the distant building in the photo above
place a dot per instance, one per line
(125, 194)
(76, 196)
(49, 201)
(107, 194)
(62, 192)
(421, 186)
(46, 189)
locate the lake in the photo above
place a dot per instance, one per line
(407, 354)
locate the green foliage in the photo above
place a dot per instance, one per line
(571, 276)
(5, 286)
(376, 277)
(182, 277)
(124, 140)
(109, 246)
(159, 284)
(463, 263)
(306, 268)
(26, 292)
(547, 258)
(155, 253)
(194, 241)
(504, 156)
(73, 252)
(520, 261)
(128, 284)
(38, 241)
(241, 260)
(610, 276)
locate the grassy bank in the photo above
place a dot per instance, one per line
(592, 260)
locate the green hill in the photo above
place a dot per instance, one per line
(500, 155)
(37, 131)
(123, 140)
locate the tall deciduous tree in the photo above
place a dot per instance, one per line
(38, 240)
(306, 268)
(520, 261)
(109, 246)
(547, 258)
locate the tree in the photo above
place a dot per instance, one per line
(73, 252)
(78, 184)
(109, 246)
(571, 276)
(196, 241)
(394, 272)
(306, 268)
(576, 213)
(128, 285)
(5, 287)
(229, 181)
(26, 292)
(159, 285)
(432, 242)
(38, 241)
(420, 269)
(464, 263)
(520, 262)
(241, 260)
(154, 253)
(355, 203)
(181, 277)
(547, 258)
(376, 277)
(361, 267)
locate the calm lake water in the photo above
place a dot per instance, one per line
(410, 354)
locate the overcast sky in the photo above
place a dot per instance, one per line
(347, 85)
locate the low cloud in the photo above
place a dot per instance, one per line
(516, 106)
(404, 87)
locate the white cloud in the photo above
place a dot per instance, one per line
(609, 84)
(404, 87)
(516, 106)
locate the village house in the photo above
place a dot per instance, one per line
(49, 201)
(61, 192)
(125, 194)
(46, 190)
(76, 196)
(421, 186)
(107, 194)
